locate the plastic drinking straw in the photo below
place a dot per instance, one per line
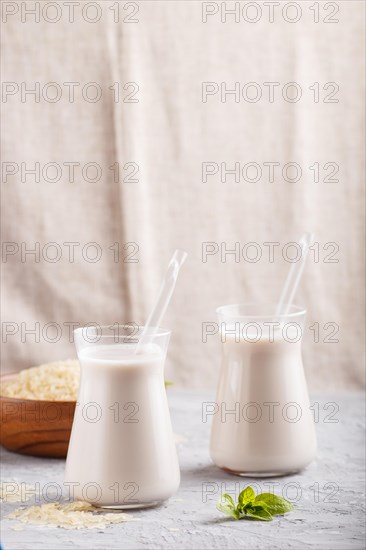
(293, 277)
(164, 297)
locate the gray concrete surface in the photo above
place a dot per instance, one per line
(328, 496)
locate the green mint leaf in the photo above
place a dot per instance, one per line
(226, 505)
(246, 497)
(258, 513)
(274, 504)
(261, 507)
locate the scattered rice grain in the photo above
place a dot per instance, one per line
(76, 515)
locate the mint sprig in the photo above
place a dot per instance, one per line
(251, 506)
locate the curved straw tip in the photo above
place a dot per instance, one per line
(307, 239)
(309, 236)
(180, 256)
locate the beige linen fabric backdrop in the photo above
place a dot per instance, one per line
(169, 133)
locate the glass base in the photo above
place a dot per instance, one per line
(261, 474)
(126, 506)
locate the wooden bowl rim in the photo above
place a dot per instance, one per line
(20, 399)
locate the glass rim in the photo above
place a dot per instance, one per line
(114, 332)
(299, 311)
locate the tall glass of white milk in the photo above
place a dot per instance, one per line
(262, 424)
(122, 453)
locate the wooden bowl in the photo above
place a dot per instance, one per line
(34, 427)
